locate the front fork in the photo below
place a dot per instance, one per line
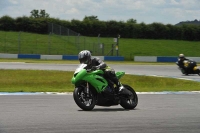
(86, 89)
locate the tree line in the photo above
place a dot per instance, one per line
(92, 26)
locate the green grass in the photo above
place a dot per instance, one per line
(138, 47)
(29, 43)
(157, 84)
(51, 44)
(60, 81)
(35, 81)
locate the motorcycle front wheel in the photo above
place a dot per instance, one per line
(129, 103)
(85, 101)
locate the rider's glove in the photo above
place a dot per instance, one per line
(94, 68)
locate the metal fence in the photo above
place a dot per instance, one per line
(59, 41)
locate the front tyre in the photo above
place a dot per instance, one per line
(129, 102)
(85, 101)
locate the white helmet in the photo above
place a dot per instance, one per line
(181, 56)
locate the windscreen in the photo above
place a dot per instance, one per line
(79, 68)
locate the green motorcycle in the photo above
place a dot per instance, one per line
(91, 88)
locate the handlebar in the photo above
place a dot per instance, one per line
(88, 70)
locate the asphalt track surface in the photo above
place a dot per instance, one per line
(46, 113)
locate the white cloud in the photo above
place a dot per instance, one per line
(13, 1)
(72, 11)
(157, 2)
(173, 2)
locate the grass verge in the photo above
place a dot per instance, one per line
(60, 81)
(29, 43)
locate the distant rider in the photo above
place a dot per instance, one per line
(186, 65)
(96, 63)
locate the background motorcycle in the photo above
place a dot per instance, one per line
(190, 70)
(91, 89)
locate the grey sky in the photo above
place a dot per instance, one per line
(147, 11)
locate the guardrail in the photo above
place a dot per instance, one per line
(57, 57)
(106, 58)
(161, 58)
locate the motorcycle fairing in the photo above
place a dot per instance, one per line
(94, 78)
(120, 74)
(96, 81)
(195, 68)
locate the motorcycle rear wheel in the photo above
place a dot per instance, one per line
(84, 101)
(128, 103)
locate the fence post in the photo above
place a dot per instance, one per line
(98, 39)
(68, 34)
(94, 50)
(19, 42)
(49, 43)
(5, 43)
(51, 28)
(84, 42)
(117, 45)
(102, 48)
(112, 49)
(60, 31)
(78, 41)
(36, 46)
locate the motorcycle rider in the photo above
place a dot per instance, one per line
(180, 63)
(186, 65)
(84, 56)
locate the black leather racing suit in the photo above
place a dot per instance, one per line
(181, 64)
(108, 73)
(189, 68)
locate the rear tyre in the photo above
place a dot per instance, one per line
(83, 100)
(129, 103)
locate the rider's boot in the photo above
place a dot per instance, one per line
(182, 70)
(123, 90)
